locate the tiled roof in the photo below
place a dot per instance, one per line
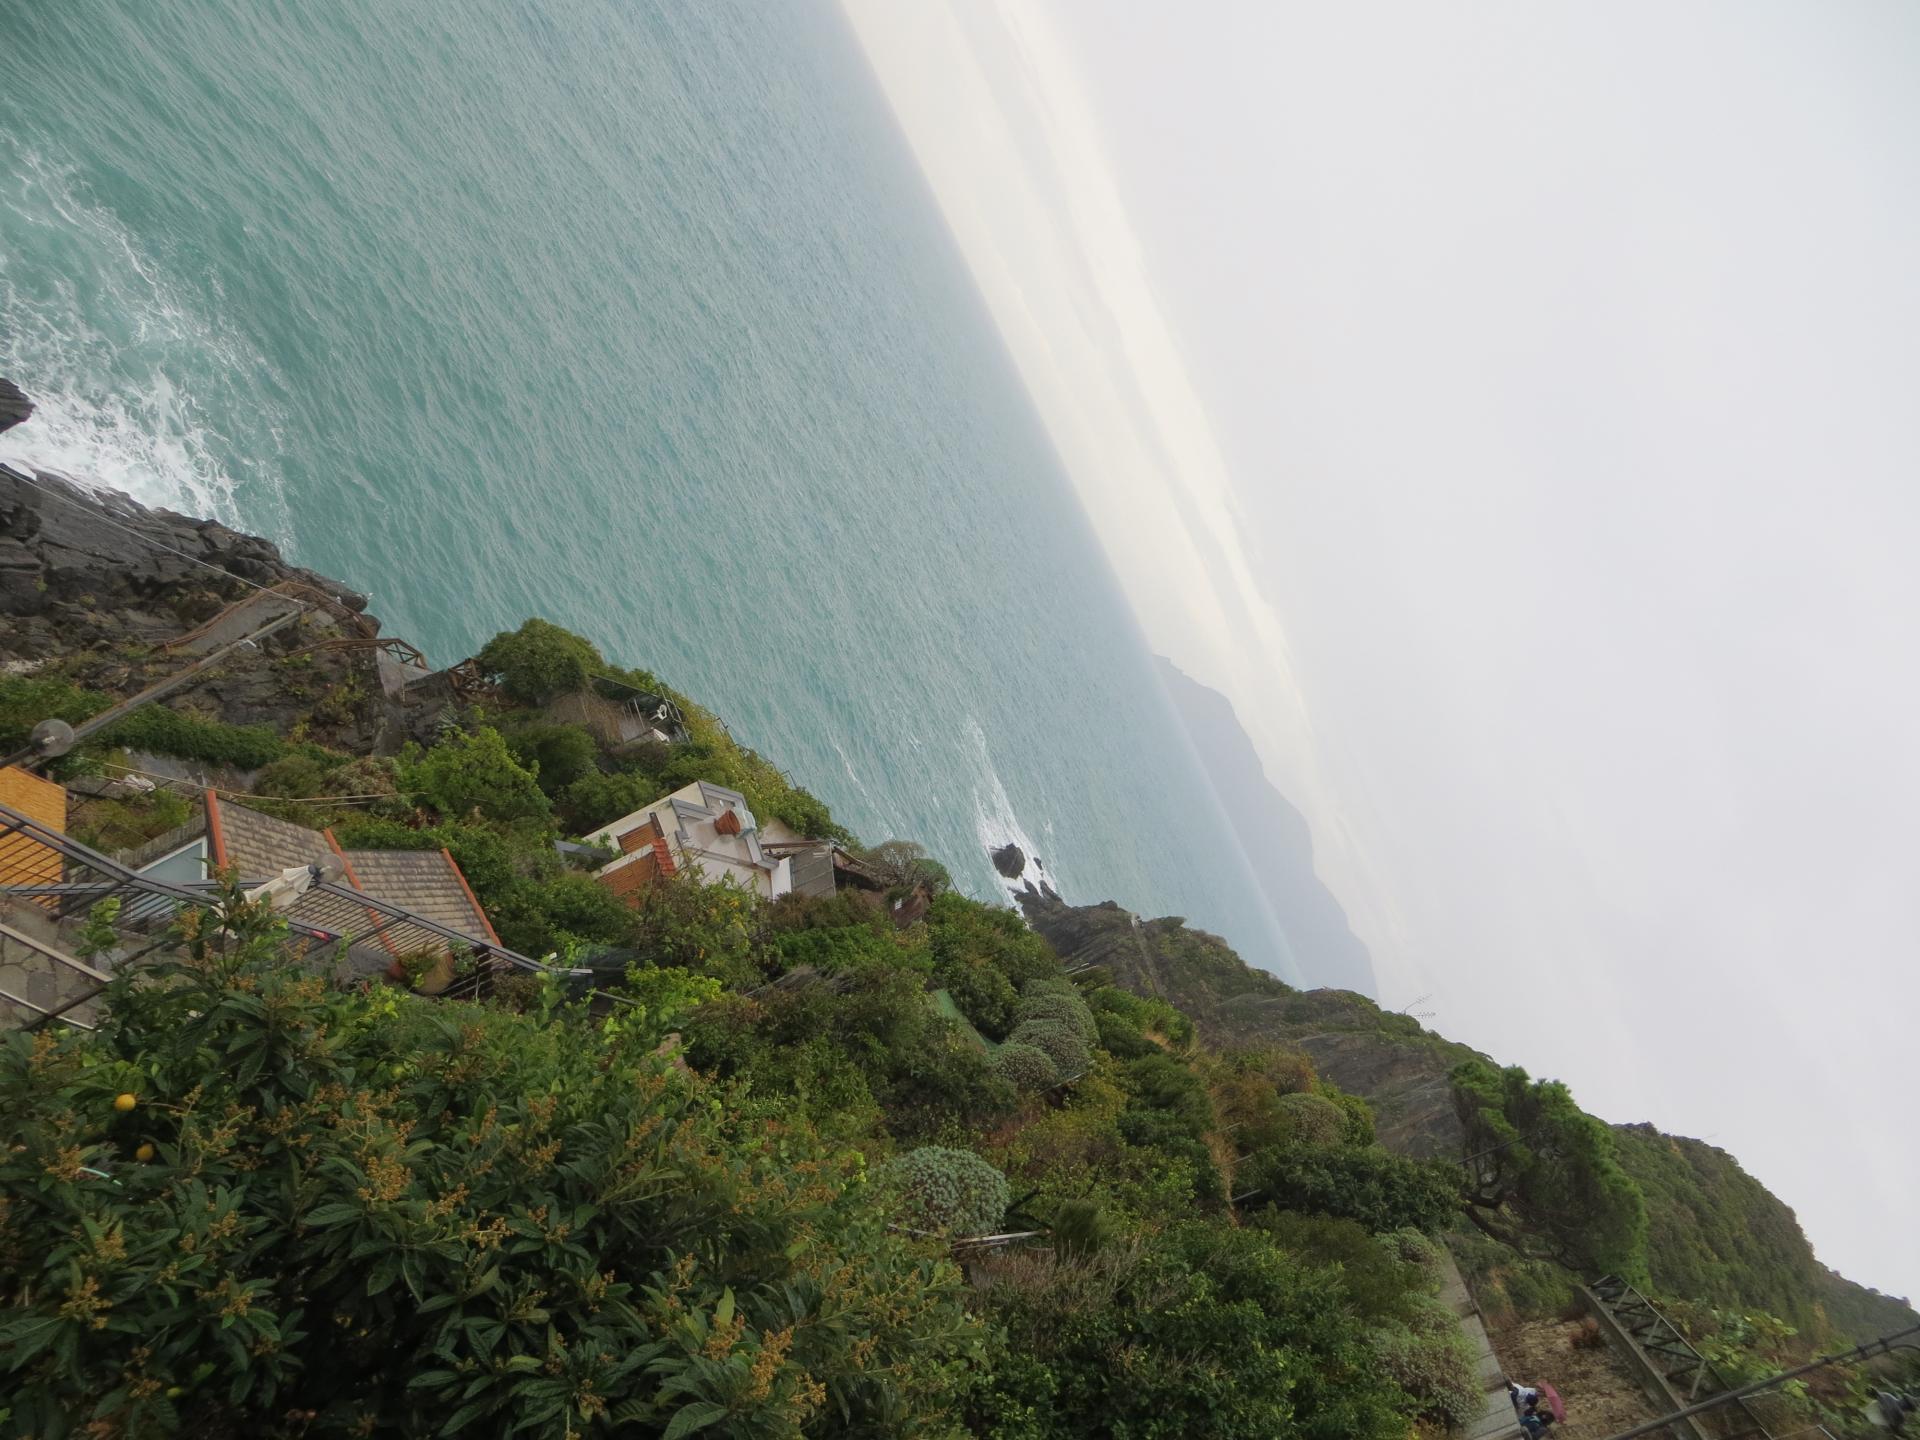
(258, 846)
(427, 882)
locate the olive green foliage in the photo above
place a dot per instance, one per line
(1381, 1191)
(25, 701)
(1356, 1115)
(432, 1219)
(1380, 1285)
(558, 755)
(1718, 1237)
(1412, 1247)
(1202, 1330)
(1061, 1041)
(594, 799)
(539, 661)
(1544, 1177)
(1506, 1283)
(473, 773)
(1028, 1068)
(947, 1192)
(983, 955)
(848, 1027)
(193, 737)
(1060, 1006)
(1435, 1364)
(1308, 1119)
(905, 865)
(1131, 1025)
(120, 824)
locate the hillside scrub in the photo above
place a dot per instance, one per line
(398, 1218)
(714, 1201)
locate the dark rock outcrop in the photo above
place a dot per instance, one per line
(1009, 860)
(94, 584)
(14, 405)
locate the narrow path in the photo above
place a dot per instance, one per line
(1496, 1414)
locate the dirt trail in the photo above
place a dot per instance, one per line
(1602, 1398)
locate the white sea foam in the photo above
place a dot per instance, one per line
(110, 353)
(996, 825)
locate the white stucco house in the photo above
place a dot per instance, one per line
(703, 830)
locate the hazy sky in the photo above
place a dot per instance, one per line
(1514, 408)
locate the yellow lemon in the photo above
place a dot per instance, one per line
(125, 1101)
(143, 1154)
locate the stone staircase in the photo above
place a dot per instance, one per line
(1496, 1415)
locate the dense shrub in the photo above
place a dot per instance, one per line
(1027, 1067)
(1202, 1331)
(558, 755)
(597, 799)
(1069, 1010)
(415, 1219)
(1434, 1363)
(1380, 1190)
(539, 661)
(1356, 1116)
(948, 1192)
(1061, 1042)
(1158, 1082)
(191, 737)
(1412, 1247)
(1380, 1286)
(1311, 1120)
(983, 955)
(472, 772)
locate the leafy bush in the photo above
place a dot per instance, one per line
(1380, 1287)
(1027, 1067)
(191, 737)
(1061, 1042)
(1158, 1082)
(1356, 1115)
(948, 1192)
(1435, 1364)
(540, 661)
(594, 800)
(472, 772)
(1311, 1120)
(1412, 1247)
(982, 956)
(1069, 1010)
(1203, 1331)
(1545, 1176)
(559, 755)
(1380, 1190)
(426, 1219)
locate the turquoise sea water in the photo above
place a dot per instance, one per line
(636, 316)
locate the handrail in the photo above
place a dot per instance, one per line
(53, 874)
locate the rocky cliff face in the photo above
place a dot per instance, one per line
(93, 584)
(1390, 1059)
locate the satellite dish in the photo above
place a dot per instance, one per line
(329, 869)
(51, 738)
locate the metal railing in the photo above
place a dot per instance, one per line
(49, 878)
(1668, 1351)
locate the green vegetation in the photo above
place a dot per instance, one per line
(1545, 1179)
(718, 1203)
(946, 1192)
(718, 1196)
(338, 1213)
